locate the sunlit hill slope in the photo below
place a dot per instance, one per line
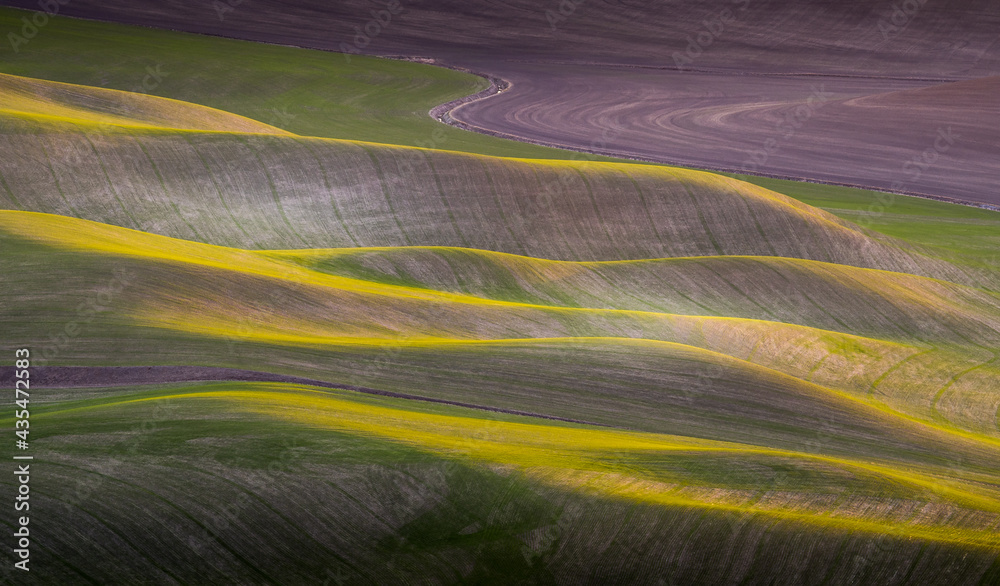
(745, 373)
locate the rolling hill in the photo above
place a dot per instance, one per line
(264, 355)
(917, 412)
(752, 87)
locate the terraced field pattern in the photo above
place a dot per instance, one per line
(286, 328)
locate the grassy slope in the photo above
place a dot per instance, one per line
(398, 492)
(321, 94)
(307, 92)
(181, 296)
(290, 192)
(968, 231)
(877, 395)
(54, 102)
(806, 292)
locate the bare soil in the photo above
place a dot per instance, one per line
(701, 84)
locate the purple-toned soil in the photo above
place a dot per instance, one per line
(825, 91)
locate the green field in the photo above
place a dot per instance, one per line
(307, 92)
(757, 370)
